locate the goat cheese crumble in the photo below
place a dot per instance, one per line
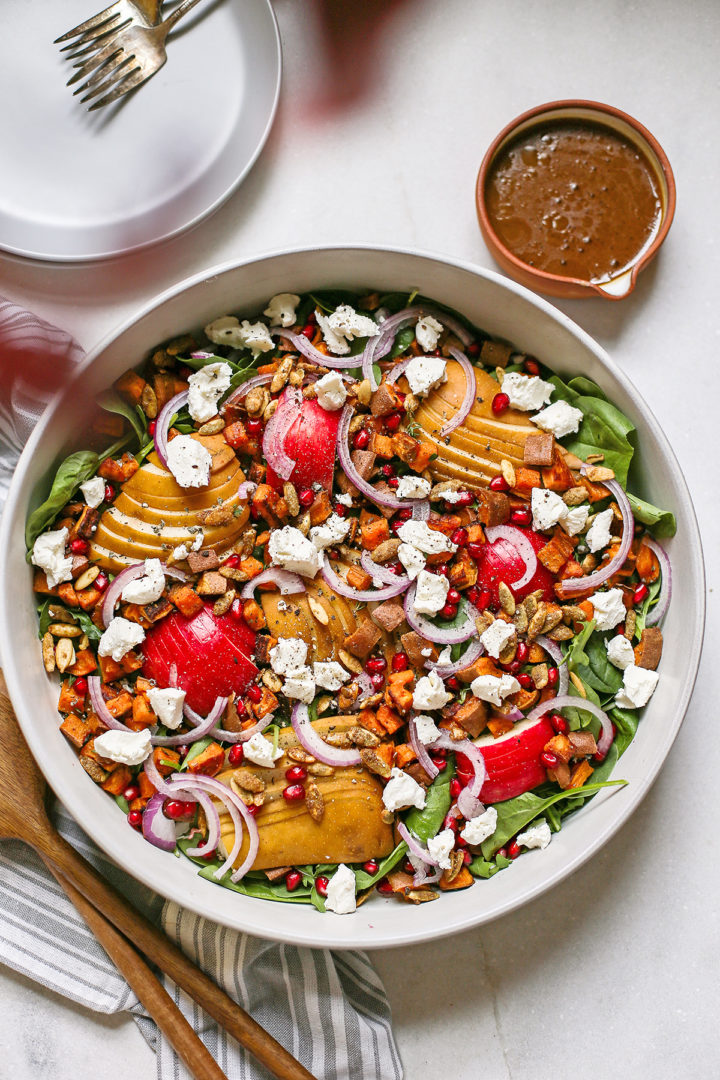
(93, 491)
(167, 706)
(148, 588)
(260, 751)
(121, 636)
(526, 392)
(343, 326)
(536, 836)
(423, 373)
(608, 608)
(127, 747)
(340, 896)
(430, 593)
(331, 392)
(189, 461)
(559, 418)
(281, 309)
(289, 549)
(205, 388)
(401, 791)
(427, 332)
(49, 554)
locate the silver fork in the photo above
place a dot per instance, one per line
(129, 57)
(90, 34)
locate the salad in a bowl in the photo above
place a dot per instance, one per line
(347, 596)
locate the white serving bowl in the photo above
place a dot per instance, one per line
(500, 307)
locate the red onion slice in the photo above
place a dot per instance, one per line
(257, 380)
(311, 741)
(395, 372)
(160, 438)
(568, 701)
(276, 429)
(158, 781)
(156, 828)
(245, 734)
(213, 826)
(657, 613)
(468, 805)
(301, 343)
(246, 490)
(428, 630)
(341, 587)
(239, 813)
(380, 573)
(421, 510)
(351, 472)
(288, 582)
(522, 545)
(100, 708)
(202, 728)
(382, 344)
(554, 650)
(591, 581)
(131, 573)
(414, 845)
(421, 752)
(473, 651)
(474, 755)
(470, 392)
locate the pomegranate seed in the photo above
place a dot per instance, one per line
(552, 676)
(443, 569)
(441, 764)
(394, 482)
(306, 497)
(521, 516)
(254, 427)
(473, 349)
(484, 600)
(362, 439)
(525, 681)
(370, 867)
(395, 568)
(452, 683)
(392, 422)
(640, 593)
(321, 885)
(177, 810)
(500, 403)
(549, 759)
(78, 546)
(405, 514)
(308, 331)
(513, 849)
(232, 561)
(460, 842)
(453, 596)
(152, 428)
(400, 662)
(254, 512)
(295, 774)
(135, 819)
(501, 853)
(459, 537)
(109, 493)
(531, 365)
(376, 665)
(473, 594)
(385, 887)
(499, 483)
(236, 610)
(183, 750)
(210, 855)
(465, 498)
(101, 582)
(388, 470)
(448, 612)
(559, 723)
(311, 319)
(292, 880)
(597, 756)
(252, 808)
(236, 754)
(522, 651)
(378, 681)
(408, 867)
(132, 791)
(513, 667)
(80, 686)
(467, 858)
(254, 693)
(340, 510)
(294, 793)
(475, 550)
(396, 525)
(455, 787)
(450, 822)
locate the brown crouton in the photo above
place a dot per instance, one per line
(538, 450)
(388, 615)
(385, 400)
(493, 507)
(649, 649)
(200, 561)
(414, 645)
(362, 642)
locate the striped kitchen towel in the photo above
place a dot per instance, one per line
(328, 1009)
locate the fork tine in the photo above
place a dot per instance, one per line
(113, 80)
(96, 60)
(84, 46)
(133, 79)
(107, 73)
(90, 24)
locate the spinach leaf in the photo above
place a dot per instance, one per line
(403, 340)
(650, 600)
(598, 672)
(73, 471)
(603, 428)
(258, 887)
(198, 362)
(576, 652)
(111, 401)
(426, 823)
(239, 377)
(330, 299)
(80, 617)
(486, 868)
(626, 722)
(122, 803)
(516, 814)
(363, 880)
(195, 750)
(661, 522)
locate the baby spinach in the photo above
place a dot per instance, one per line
(661, 522)
(403, 340)
(363, 880)
(111, 401)
(328, 300)
(597, 671)
(82, 619)
(257, 886)
(516, 814)
(426, 823)
(73, 471)
(603, 428)
(643, 611)
(487, 868)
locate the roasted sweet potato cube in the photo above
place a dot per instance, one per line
(70, 701)
(558, 476)
(404, 754)
(186, 600)
(118, 780)
(130, 386)
(85, 663)
(164, 753)
(120, 705)
(363, 640)
(142, 715)
(581, 772)
(209, 761)
(75, 730)
(462, 880)
(493, 507)
(416, 646)
(389, 719)
(472, 716)
(320, 508)
(561, 746)
(67, 594)
(110, 670)
(385, 400)
(268, 703)
(649, 649)
(253, 615)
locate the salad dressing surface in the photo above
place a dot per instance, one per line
(575, 199)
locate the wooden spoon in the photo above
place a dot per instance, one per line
(23, 817)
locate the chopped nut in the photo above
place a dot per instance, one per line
(356, 423)
(553, 617)
(572, 613)
(291, 498)
(282, 375)
(386, 551)
(520, 619)
(211, 584)
(484, 620)
(374, 763)
(223, 605)
(269, 411)
(539, 676)
(320, 770)
(340, 739)
(303, 523)
(411, 403)
(630, 622)
(314, 802)
(309, 393)
(64, 630)
(594, 459)
(296, 377)
(599, 473)
(271, 680)
(561, 633)
(233, 574)
(578, 684)
(48, 653)
(420, 896)
(87, 578)
(212, 427)
(360, 736)
(507, 600)
(508, 472)
(537, 622)
(318, 611)
(216, 515)
(247, 780)
(324, 703)
(64, 654)
(589, 563)
(60, 614)
(456, 865)
(364, 392)
(574, 496)
(349, 662)
(148, 401)
(257, 400)
(300, 755)
(84, 642)
(347, 696)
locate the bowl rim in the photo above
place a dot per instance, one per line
(356, 935)
(557, 282)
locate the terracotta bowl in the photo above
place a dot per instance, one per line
(553, 284)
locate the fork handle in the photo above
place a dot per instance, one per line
(160, 949)
(178, 13)
(148, 989)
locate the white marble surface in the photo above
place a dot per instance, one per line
(614, 972)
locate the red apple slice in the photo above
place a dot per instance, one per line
(512, 760)
(211, 655)
(501, 561)
(310, 442)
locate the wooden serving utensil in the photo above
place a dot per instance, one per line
(23, 817)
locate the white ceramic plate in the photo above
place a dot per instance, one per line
(504, 309)
(79, 186)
